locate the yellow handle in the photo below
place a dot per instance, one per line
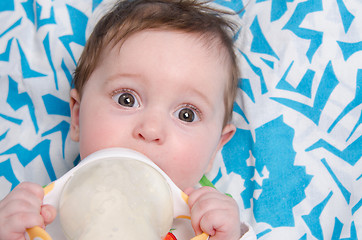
(37, 233)
(202, 236)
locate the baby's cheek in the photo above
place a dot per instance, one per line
(190, 175)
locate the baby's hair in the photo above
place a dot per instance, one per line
(190, 16)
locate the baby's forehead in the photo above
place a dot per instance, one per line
(208, 41)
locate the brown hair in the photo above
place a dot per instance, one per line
(131, 16)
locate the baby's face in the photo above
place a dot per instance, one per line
(161, 94)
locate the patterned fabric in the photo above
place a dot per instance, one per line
(294, 165)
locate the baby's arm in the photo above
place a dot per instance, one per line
(23, 209)
(214, 213)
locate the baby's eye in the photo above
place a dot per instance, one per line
(187, 114)
(126, 99)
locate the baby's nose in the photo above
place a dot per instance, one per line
(150, 128)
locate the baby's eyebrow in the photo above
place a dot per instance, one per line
(202, 95)
(112, 79)
(117, 76)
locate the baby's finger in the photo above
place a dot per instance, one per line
(48, 213)
(203, 207)
(209, 222)
(21, 221)
(219, 225)
(203, 192)
(27, 188)
(22, 205)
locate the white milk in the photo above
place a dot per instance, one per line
(116, 199)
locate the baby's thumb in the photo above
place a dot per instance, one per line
(48, 213)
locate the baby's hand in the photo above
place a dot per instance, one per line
(214, 213)
(23, 209)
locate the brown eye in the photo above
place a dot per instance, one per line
(186, 115)
(126, 99)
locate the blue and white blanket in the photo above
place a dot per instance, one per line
(294, 165)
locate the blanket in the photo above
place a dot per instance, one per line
(294, 164)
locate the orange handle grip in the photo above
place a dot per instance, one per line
(38, 233)
(202, 236)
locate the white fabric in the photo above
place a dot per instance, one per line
(294, 165)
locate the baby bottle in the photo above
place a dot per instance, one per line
(114, 193)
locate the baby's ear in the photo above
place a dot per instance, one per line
(227, 133)
(74, 104)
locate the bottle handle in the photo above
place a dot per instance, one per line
(37, 233)
(202, 236)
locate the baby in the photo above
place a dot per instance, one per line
(158, 77)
